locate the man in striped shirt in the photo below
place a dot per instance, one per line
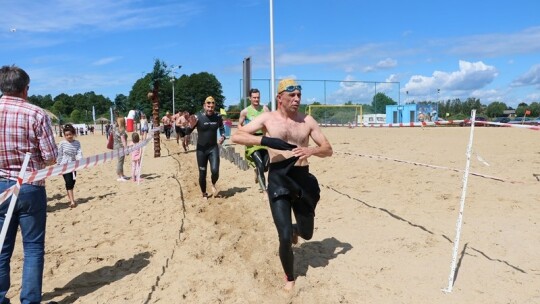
(24, 128)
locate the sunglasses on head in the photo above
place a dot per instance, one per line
(293, 88)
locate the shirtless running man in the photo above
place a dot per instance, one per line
(180, 127)
(290, 185)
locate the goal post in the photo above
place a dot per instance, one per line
(336, 115)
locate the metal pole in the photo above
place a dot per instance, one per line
(172, 81)
(272, 71)
(324, 82)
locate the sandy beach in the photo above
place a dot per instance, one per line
(384, 228)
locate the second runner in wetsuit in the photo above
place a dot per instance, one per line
(207, 122)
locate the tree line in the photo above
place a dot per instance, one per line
(191, 90)
(458, 109)
(189, 93)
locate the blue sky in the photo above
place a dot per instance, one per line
(406, 49)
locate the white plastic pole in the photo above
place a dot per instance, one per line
(272, 65)
(11, 207)
(461, 207)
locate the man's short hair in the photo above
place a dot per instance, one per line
(13, 80)
(254, 90)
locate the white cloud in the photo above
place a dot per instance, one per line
(356, 91)
(66, 15)
(106, 60)
(488, 96)
(383, 64)
(328, 58)
(533, 97)
(531, 77)
(524, 42)
(471, 76)
(54, 82)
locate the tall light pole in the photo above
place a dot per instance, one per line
(172, 81)
(272, 64)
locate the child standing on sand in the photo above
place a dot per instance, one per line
(135, 158)
(69, 150)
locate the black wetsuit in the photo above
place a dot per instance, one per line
(261, 160)
(292, 188)
(207, 146)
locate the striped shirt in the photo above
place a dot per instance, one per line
(24, 128)
(68, 152)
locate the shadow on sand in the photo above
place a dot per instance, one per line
(317, 254)
(88, 282)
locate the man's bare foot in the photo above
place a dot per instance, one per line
(289, 285)
(265, 195)
(205, 196)
(72, 205)
(214, 191)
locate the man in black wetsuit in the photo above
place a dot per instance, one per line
(290, 185)
(207, 123)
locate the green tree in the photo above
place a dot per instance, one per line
(190, 92)
(76, 116)
(64, 104)
(44, 102)
(194, 89)
(380, 101)
(138, 96)
(495, 109)
(535, 109)
(59, 108)
(521, 108)
(121, 104)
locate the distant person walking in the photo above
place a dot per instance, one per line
(69, 150)
(120, 141)
(135, 158)
(144, 126)
(26, 128)
(167, 124)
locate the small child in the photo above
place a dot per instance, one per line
(69, 150)
(135, 159)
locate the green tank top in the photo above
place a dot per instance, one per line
(252, 113)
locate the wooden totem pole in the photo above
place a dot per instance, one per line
(154, 97)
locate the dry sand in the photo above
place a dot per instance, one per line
(384, 228)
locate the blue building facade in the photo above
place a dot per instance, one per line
(408, 113)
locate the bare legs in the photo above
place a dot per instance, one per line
(71, 197)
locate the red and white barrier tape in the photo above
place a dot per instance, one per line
(77, 165)
(501, 124)
(441, 123)
(11, 206)
(413, 124)
(4, 195)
